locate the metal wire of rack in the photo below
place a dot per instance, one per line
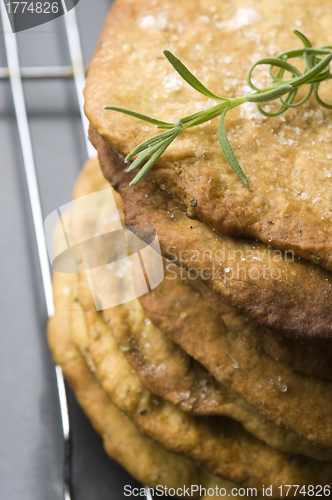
(15, 73)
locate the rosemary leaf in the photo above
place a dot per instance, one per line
(289, 100)
(303, 38)
(318, 99)
(145, 118)
(297, 104)
(279, 63)
(189, 77)
(309, 76)
(228, 151)
(150, 163)
(144, 156)
(270, 95)
(150, 142)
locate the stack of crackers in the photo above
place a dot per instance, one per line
(220, 377)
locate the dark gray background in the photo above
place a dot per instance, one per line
(30, 430)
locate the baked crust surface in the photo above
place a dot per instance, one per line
(288, 159)
(220, 445)
(164, 367)
(291, 296)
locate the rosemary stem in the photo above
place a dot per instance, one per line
(317, 62)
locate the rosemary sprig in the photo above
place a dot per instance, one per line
(317, 69)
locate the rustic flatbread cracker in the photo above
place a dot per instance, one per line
(164, 367)
(68, 336)
(287, 159)
(222, 446)
(147, 461)
(170, 372)
(177, 422)
(91, 180)
(302, 403)
(292, 297)
(180, 312)
(308, 357)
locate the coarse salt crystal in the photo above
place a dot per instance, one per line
(244, 17)
(160, 21)
(228, 59)
(172, 82)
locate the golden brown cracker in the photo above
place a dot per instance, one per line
(222, 446)
(287, 159)
(142, 457)
(167, 370)
(300, 402)
(290, 296)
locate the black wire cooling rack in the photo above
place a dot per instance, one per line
(17, 74)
